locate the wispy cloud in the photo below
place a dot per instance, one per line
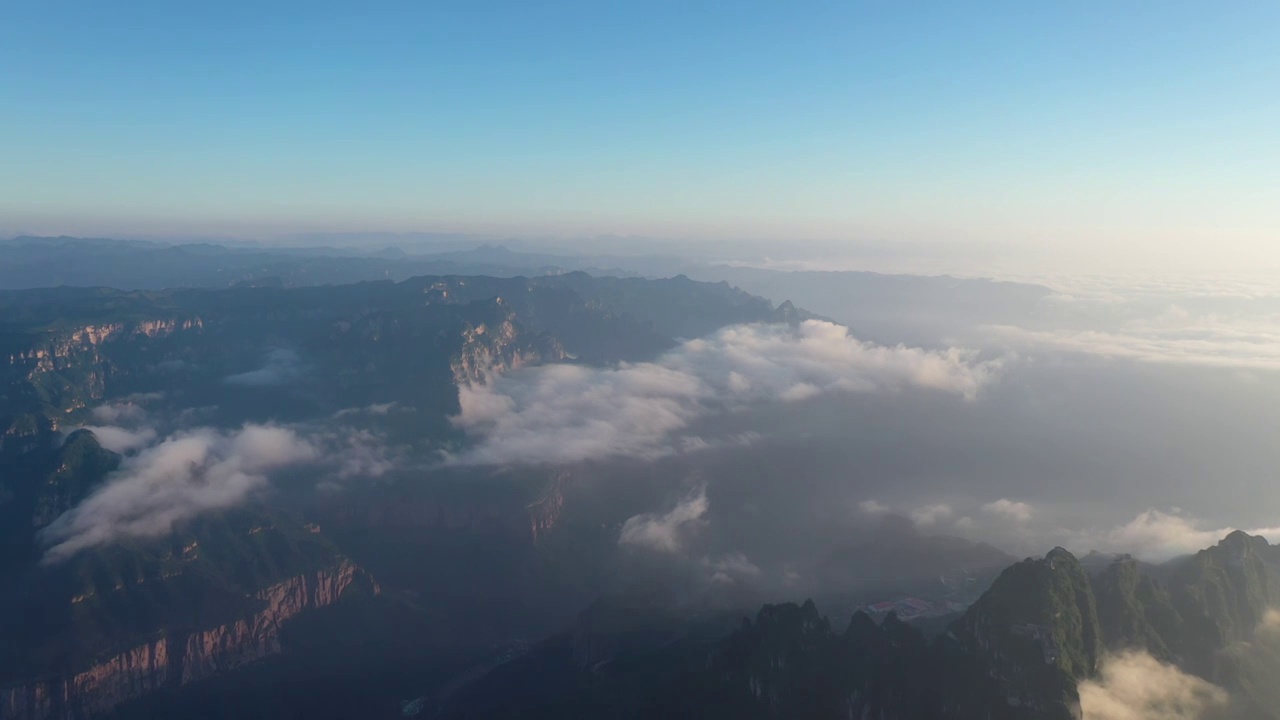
(185, 475)
(1011, 509)
(1135, 686)
(281, 366)
(930, 514)
(666, 532)
(121, 440)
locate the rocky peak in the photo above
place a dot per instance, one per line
(1241, 543)
(1060, 554)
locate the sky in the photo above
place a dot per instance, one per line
(1084, 127)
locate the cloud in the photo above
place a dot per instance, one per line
(871, 507)
(119, 412)
(1135, 686)
(374, 409)
(281, 366)
(1016, 511)
(1155, 535)
(666, 533)
(930, 514)
(121, 440)
(124, 424)
(733, 568)
(353, 453)
(567, 413)
(1254, 663)
(184, 476)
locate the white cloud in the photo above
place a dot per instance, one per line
(1155, 535)
(930, 514)
(184, 476)
(666, 533)
(121, 440)
(1013, 510)
(871, 507)
(119, 412)
(1135, 686)
(568, 413)
(374, 409)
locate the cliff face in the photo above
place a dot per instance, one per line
(177, 658)
(500, 347)
(1037, 630)
(64, 370)
(544, 514)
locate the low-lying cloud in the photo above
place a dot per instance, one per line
(1136, 686)
(1175, 336)
(570, 413)
(187, 474)
(121, 440)
(931, 515)
(666, 532)
(1152, 535)
(1155, 535)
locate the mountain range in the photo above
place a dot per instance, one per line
(375, 576)
(96, 624)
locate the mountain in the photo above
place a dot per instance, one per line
(35, 262)
(1020, 652)
(888, 308)
(434, 568)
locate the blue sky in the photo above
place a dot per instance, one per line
(1147, 123)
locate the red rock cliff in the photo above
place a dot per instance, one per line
(178, 658)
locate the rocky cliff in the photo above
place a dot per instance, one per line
(180, 657)
(544, 513)
(57, 370)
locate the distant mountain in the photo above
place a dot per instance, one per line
(66, 348)
(884, 307)
(892, 308)
(892, 554)
(33, 262)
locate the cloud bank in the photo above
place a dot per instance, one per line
(1174, 336)
(1135, 686)
(185, 475)
(570, 413)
